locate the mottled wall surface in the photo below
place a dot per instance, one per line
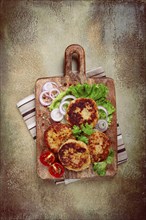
(33, 37)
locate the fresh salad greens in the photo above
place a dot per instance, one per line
(82, 133)
(56, 102)
(108, 106)
(100, 167)
(95, 91)
(98, 92)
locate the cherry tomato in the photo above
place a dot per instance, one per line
(56, 170)
(47, 158)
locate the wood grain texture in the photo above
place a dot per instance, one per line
(43, 119)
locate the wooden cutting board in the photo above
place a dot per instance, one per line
(43, 119)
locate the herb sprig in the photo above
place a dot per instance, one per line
(100, 167)
(82, 133)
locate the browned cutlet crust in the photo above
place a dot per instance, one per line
(56, 135)
(98, 145)
(74, 155)
(82, 111)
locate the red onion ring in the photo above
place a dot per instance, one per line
(41, 99)
(51, 93)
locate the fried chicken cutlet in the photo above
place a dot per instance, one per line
(74, 155)
(82, 111)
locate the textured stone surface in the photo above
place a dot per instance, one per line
(33, 37)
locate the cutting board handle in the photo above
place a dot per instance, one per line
(74, 49)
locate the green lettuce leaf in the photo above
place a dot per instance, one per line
(88, 89)
(95, 91)
(106, 104)
(98, 91)
(109, 107)
(73, 90)
(56, 102)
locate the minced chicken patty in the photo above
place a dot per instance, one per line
(74, 155)
(98, 145)
(82, 111)
(56, 135)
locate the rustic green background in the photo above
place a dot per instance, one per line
(33, 37)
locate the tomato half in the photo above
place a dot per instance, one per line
(56, 170)
(47, 158)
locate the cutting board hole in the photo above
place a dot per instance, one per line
(75, 63)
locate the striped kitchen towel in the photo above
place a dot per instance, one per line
(27, 109)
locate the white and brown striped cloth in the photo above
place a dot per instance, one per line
(27, 109)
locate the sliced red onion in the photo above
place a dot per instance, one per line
(49, 85)
(56, 115)
(53, 96)
(102, 125)
(61, 108)
(45, 99)
(68, 97)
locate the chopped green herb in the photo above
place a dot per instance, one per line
(76, 130)
(100, 167)
(110, 157)
(102, 172)
(87, 129)
(111, 153)
(109, 160)
(82, 133)
(83, 139)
